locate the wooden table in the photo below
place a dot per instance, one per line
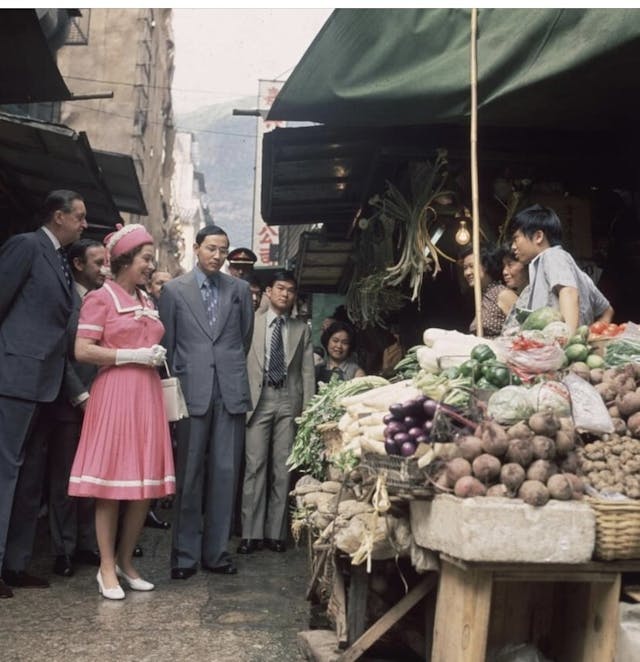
(569, 611)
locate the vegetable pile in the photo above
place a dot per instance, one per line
(613, 465)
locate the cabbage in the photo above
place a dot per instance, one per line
(551, 396)
(510, 405)
(556, 330)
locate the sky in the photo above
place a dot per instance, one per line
(220, 54)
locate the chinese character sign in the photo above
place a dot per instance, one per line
(265, 237)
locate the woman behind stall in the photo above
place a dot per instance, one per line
(497, 299)
(338, 340)
(515, 274)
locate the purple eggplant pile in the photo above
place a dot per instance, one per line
(409, 424)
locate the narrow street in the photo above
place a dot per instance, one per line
(250, 617)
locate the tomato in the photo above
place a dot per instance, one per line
(598, 328)
(611, 330)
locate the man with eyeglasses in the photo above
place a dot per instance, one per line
(208, 319)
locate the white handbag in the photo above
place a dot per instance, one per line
(174, 403)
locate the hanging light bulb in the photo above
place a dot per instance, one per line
(463, 236)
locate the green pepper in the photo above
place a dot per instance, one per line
(471, 368)
(496, 373)
(482, 353)
(451, 373)
(485, 385)
(515, 380)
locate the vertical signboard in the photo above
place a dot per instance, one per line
(265, 237)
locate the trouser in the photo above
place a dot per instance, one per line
(268, 442)
(22, 464)
(208, 462)
(71, 519)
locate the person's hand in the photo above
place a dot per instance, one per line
(149, 356)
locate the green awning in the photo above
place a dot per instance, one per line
(561, 68)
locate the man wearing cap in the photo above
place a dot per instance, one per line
(36, 300)
(208, 319)
(241, 261)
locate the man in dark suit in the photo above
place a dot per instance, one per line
(208, 319)
(71, 520)
(36, 299)
(282, 381)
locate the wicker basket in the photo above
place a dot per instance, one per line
(617, 529)
(403, 475)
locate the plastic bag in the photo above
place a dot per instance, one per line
(551, 396)
(517, 653)
(548, 357)
(510, 405)
(590, 414)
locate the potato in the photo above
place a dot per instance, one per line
(457, 468)
(565, 442)
(570, 463)
(581, 369)
(512, 475)
(470, 447)
(607, 391)
(560, 487)
(534, 493)
(543, 448)
(486, 467)
(628, 404)
(541, 470)
(544, 423)
(633, 424)
(494, 438)
(614, 412)
(619, 426)
(595, 375)
(519, 451)
(468, 486)
(498, 490)
(520, 431)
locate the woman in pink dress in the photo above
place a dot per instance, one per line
(124, 452)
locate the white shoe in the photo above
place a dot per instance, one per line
(137, 584)
(110, 593)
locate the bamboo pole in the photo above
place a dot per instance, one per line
(475, 234)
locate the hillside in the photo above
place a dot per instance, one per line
(227, 147)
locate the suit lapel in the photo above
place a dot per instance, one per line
(259, 335)
(295, 333)
(52, 258)
(192, 296)
(224, 301)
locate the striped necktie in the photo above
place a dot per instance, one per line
(211, 301)
(276, 372)
(64, 263)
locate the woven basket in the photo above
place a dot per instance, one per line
(617, 529)
(403, 475)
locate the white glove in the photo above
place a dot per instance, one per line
(151, 356)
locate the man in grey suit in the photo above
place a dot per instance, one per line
(282, 381)
(71, 520)
(36, 299)
(208, 319)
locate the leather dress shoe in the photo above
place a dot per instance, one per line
(275, 545)
(249, 545)
(182, 573)
(63, 566)
(154, 522)
(86, 557)
(22, 579)
(226, 569)
(5, 591)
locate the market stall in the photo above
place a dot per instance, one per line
(495, 471)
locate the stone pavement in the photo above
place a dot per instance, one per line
(253, 616)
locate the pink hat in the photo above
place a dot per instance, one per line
(126, 238)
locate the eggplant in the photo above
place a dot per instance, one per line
(427, 426)
(388, 418)
(391, 447)
(415, 432)
(422, 439)
(414, 407)
(411, 421)
(429, 407)
(394, 427)
(397, 411)
(401, 437)
(407, 449)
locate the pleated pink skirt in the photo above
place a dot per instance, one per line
(125, 448)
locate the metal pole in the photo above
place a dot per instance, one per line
(477, 287)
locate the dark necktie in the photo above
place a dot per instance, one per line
(211, 301)
(276, 371)
(64, 263)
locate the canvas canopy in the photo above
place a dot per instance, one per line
(561, 68)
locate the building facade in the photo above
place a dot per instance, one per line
(130, 52)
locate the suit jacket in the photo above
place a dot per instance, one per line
(35, 304)
(195, 352)
(301, 381)
(78, 377)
